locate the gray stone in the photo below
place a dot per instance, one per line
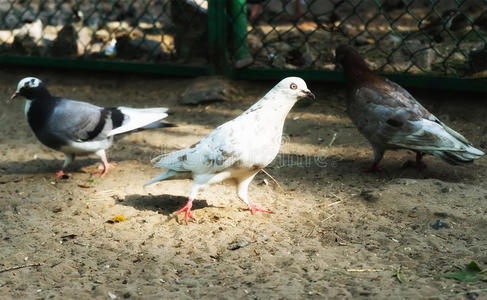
(207, 89)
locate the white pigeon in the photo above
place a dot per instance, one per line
(80, 128)
(238, 149)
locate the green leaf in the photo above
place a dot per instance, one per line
(471, 273)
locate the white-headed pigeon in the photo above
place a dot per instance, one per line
(80, 128)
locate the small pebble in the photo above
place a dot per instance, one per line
(237, 245)
(446, 190)
(438, 224)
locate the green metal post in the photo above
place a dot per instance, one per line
(216, 35)
(238, 10)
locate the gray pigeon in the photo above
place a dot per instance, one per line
(390, 118)
(80, 128)
(238, 149)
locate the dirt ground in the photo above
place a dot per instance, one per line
(335, 233)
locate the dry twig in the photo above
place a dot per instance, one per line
(20, 267)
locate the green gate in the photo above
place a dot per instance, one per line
(425, 43)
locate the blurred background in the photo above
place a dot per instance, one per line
(421, 42)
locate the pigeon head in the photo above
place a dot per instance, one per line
(347, 57)
(354, 66)
(294, 87)
(31, 88)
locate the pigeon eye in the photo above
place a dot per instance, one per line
(293, 86)
(26, 85)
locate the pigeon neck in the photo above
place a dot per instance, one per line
(356, 71)
(273, 108)
(278, 104)
(41, 94)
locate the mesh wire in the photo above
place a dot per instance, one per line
(403, 36)
(140, 30)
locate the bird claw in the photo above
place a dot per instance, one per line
(60, 174)
(102, 173)
(254, 208)
(105, 168)
(372, 169)
(187, 210)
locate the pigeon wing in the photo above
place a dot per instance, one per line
(220, 150)
(396, 118)
(79, 121)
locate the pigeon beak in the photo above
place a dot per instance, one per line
(13, 97)
(309, 94)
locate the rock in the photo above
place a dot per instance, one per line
(102, 35)
(478, 58)
(25, 45)
(438, 224)
(207, 89)
(237, 244)
(446, 190)
(370, 195)
(65, 45)
(363, 40)
(84, 40)
(254, 42)
(419, 54)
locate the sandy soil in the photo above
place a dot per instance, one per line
(335, 232)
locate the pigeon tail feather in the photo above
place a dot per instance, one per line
(169, 174)
(138, 117)
(158, 124)
(163, 176)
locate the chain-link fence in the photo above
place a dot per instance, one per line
(444, 39)
(403, 36)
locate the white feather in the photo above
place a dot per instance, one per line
(139, 117)
(28, 103)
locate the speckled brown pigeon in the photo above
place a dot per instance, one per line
(390, 118)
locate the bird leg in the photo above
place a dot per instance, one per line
(187, 210)
(372, 169)
(378, 154)
(68, 158)
(106, 164)
(242, 191)
(195, 188)
(420, 165)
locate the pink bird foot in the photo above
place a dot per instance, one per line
(187, 210)
(372, 169)
(106, 166)
(60, 174)
(254, 208)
